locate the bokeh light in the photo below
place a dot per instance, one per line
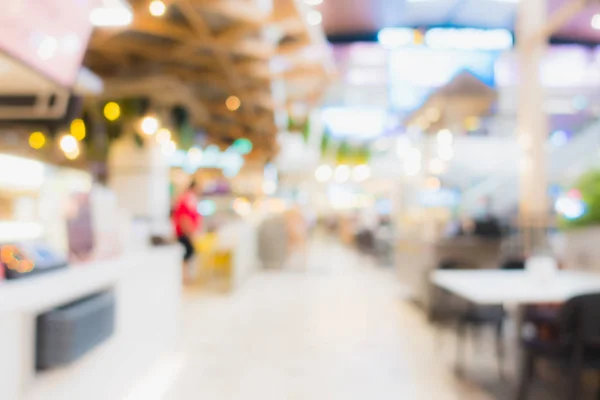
(78, 129)
(163, 136)
(233, 103)
(323, 173)
(157, 8)
(68, 144)
(112, 111)
(314, 17)
(37, 140)
(195, 155)
(149, 125)
(361, 173)
(243, 146)
(242, 206)
(342, 173)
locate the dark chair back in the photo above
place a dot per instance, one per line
(580, 320)
(513, 264)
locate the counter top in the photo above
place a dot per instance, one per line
(39, 293)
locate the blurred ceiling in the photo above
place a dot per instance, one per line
(200, 53)
(345, 19)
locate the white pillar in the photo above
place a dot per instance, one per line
(532, 121)
(139, 176)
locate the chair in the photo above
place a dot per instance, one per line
(577, 346)
(469, 316)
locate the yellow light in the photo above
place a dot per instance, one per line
(163, 136)
(233, 103)
(157, 8)
(78, 129)
(149, 125)
(37, 140)
(472, 123)
(72, 154)
(112, 111)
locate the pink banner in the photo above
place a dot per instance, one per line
(50, 36)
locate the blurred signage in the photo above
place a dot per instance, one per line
(448, 38)
(229, 161)
(469, 39)
(439, 198)
(355, 123)
(416, 71)
(49, 36)
(563, 66)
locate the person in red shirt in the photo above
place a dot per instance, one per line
(187, 221)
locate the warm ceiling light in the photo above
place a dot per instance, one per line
(78, 129)
(73, 154)
(112, 111)
(313, 2)
(157, 8)
(596, 22)
(163, 136)
(68, 143)
(113, 14)
(149, 125)
(314, 17)
(37, 140)
(233, 103)
(69, 146)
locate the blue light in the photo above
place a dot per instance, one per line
(570, 208)
(392, 38)
(559, 138)
(206, 208)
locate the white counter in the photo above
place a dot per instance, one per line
(148, 294)
(240, 237)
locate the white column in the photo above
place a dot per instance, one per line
(139, 176)
(532, 121)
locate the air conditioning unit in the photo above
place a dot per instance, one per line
(28, 97)
(34, 106)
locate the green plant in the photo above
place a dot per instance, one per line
(587, 188)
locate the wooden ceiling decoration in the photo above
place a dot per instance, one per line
(203, 51)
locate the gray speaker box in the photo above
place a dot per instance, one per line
(67, 333)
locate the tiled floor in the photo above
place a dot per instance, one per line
(337, 330)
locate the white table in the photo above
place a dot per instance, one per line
(514, 288)
(496, 287)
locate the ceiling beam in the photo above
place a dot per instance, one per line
(242, 11)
